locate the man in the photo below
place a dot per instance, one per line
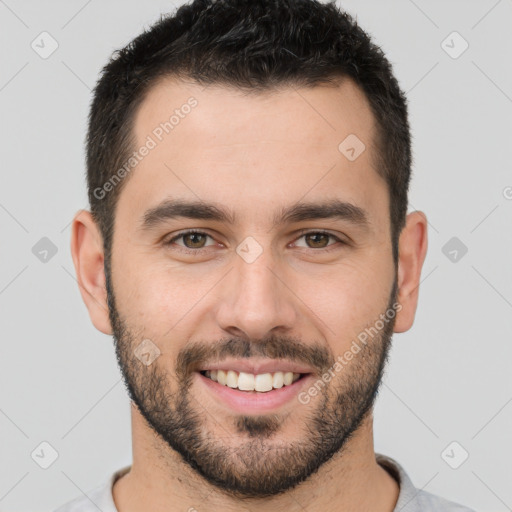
(249, 249)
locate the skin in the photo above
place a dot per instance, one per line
(253, 154)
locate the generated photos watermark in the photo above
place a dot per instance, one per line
(158, 133)
(343, 360)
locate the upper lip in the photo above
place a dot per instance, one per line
(258, 367)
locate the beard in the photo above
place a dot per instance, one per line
(255, 463)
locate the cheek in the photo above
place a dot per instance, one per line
(346, 302)
(162, 298)
(142, 292)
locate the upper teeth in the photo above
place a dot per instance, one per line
(249, 382)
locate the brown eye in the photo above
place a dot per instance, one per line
(319, 240)
(192, 240)
(196, 240)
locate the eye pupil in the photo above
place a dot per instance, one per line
(193, 235)
(314, 235)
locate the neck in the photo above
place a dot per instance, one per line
(160, 480)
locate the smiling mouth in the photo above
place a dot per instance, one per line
(261, 383)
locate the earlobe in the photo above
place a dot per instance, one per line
(412, 253)
(88, 259)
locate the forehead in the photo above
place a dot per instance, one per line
(253, 150)
(222, 114)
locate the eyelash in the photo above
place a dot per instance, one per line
(301, 234)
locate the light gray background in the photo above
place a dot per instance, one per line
(449, 377)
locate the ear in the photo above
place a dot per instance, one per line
(412, 252)
(88, 258)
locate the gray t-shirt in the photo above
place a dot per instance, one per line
(410, 499)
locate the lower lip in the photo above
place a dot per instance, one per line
(255, 402)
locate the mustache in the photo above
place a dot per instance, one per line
(194, 355)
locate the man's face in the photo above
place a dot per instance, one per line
(256, 290)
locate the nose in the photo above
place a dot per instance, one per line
(257, 299)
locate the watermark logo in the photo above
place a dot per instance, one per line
(249, 249)
(454, 249)
(147, 352)
(44, 45)
(44, 455)
(44, 250)
(454, 45)
(454, 455)
(351, 147)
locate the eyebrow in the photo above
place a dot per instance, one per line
(171, 209)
